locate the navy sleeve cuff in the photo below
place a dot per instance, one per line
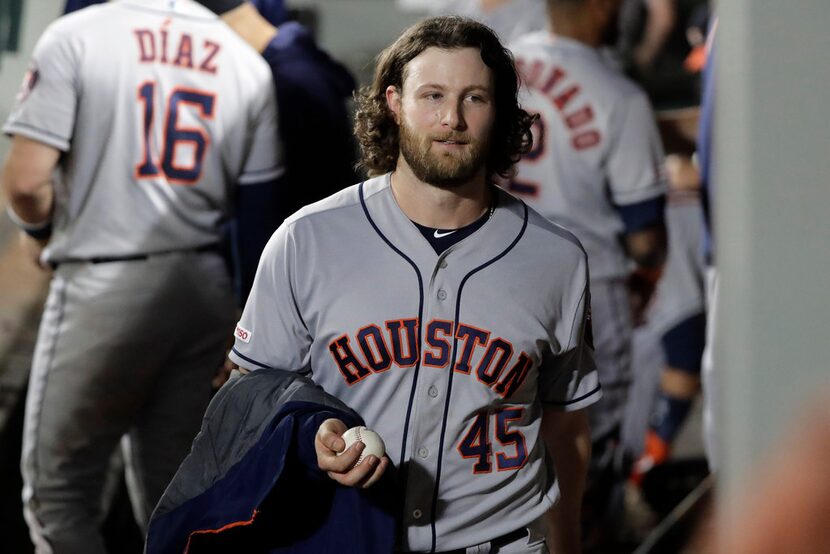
(684, 343)
(255, 222)
(642, 215)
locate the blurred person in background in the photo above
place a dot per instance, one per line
(654, 47)
(510, 19)
(596, 168)
(676, 320)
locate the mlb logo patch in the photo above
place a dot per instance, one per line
(29, 81)
(243, 334)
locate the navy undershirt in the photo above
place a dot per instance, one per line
(441, 239)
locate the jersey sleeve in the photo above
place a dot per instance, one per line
(271, 332)
(635, 167)
(265, 158)
(568, 380)
(46, 103)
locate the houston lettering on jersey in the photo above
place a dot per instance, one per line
(180, 49)
(554, 84)
(375, 348)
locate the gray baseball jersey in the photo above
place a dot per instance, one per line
(510, 20)
(450, 358)
(139, 122)
(596, 148)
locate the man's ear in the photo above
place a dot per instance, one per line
(393, 102)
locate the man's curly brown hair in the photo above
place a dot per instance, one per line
(376, 130)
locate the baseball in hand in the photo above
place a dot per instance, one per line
(374, 444)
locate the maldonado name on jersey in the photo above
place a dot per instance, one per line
(554, 84)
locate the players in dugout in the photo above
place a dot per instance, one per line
(447, 313)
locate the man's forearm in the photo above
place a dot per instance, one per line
(27, 181)
(568, 439)
(34, 207)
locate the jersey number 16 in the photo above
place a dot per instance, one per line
(174, 135)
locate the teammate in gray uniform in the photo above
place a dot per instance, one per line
(675, 319)
(596, 167)
(454, 319)
(510, 19)
(147, 112)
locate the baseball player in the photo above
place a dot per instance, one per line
(450, 316)
(312, 90)
(676, 320)
(596, 168)
(510, 19)
(147, 113)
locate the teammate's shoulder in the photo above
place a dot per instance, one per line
(187, 9)
(530, 40)
(607, 74)
(623, 85)
(98, 17)
(79, 19)
(608, 80)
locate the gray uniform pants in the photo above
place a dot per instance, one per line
(612, 328)
(611, 320)
(125, 349)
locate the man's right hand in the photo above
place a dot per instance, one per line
(33, 248)
(328, 443)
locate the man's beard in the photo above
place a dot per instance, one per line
(445, 170)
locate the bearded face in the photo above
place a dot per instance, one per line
(445, 160)
(445, 111)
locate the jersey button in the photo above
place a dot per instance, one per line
(416, 514)
(442, 295)
(432, 391)
(443, 264)
(423, 452)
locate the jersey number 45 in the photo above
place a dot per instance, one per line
(476, 443)
(174, 135)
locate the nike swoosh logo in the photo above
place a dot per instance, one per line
(439, 234)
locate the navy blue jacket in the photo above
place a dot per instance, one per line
(312, 90)
(251, 482)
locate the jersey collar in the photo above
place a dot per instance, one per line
(490, 240)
